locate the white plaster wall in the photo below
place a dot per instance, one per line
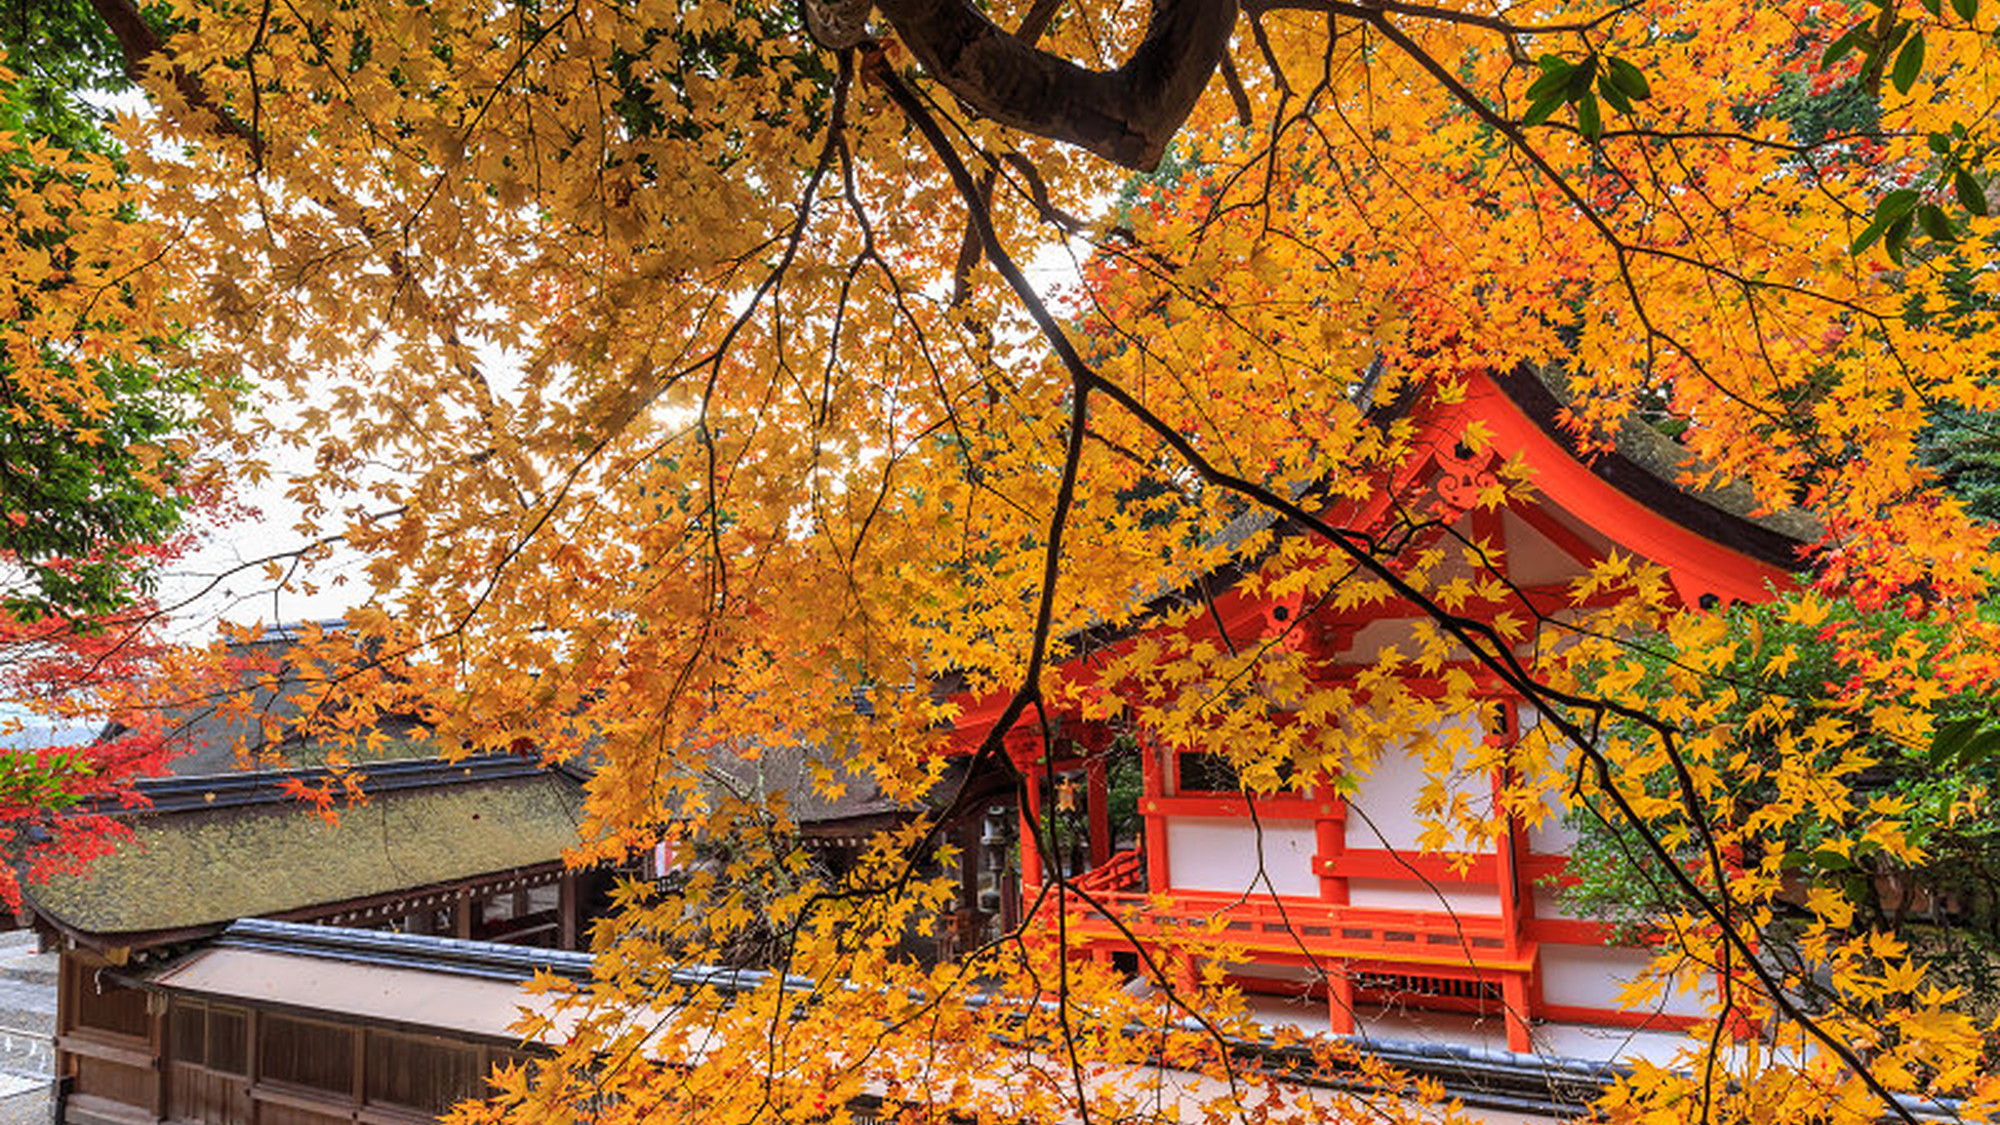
(1548, 904)
(1385, 894)
(1592, 976)
(1386, 796)
(1368, 641)
(1221, 853)
(1551, 836)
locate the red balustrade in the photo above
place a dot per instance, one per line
(1109, 911)
(1259, 923)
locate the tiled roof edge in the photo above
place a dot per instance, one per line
(1491, 1079)
(261, 787)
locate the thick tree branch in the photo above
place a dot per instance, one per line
(1125, 115)
(139, 43)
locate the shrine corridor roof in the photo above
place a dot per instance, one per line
(239, 848)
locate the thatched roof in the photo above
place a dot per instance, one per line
(219, 849)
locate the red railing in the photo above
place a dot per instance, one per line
(1258, 923)
(1117, 873)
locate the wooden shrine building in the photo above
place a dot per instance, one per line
(1328, 892)
(465, 850)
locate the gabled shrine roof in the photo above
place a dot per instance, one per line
(1649, 467)
(215, 849)
(205, 733)
(1642, 464)
(1722, 535)
(860, 807)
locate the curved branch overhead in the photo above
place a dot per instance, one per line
(1126, 115)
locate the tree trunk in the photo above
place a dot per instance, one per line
(1125, 115)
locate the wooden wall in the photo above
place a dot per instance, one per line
(133, 1056)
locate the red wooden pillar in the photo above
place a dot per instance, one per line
(1339, 998)
(1152, 768)
(1025, 747)
(1514, 994)
(1330, 843)
(1507, 868)
(1031, 829)
(1517, 987)
(1098, 793)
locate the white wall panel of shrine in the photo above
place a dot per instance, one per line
(1595, 976)
(1383, 807)
(1549, 904)
(1222, 854)
(1387, 894)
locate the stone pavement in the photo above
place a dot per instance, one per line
(27, 1028)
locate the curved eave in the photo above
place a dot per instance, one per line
(1706, 550)
(1534, 403)
(118, 948)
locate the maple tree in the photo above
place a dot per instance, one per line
(101, 463)
(673, 369)
(96, 462)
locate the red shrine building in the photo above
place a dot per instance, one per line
(1327, 893)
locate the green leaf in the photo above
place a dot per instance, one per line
(1896, 238)
(1909, 64)
(1612, 95)
(1555, 76)
(1940, 143)
(1896, 204)
(1581, 76)
(1966, 9)
(1866, 238)
(1950, 737)
(1978, 750)
(1540, 110)
(1970, 196)
(1588, 120)
(1934, 7)
(1629, 80)
(1847, 41)
(1932, 219)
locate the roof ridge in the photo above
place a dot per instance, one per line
(260, 787)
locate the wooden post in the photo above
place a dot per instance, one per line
(566, 910)
(1098, 794)
(1514, 994)
(156, 1045)
(1153, 787)
(1031, 827)
(1330, 842)
(965, 835)
(1339, 999)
